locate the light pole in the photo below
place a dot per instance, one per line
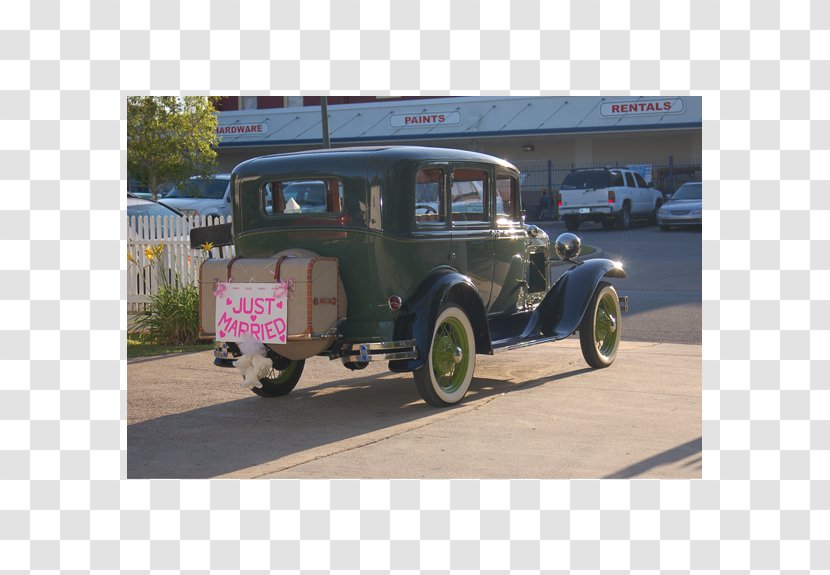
(324, 110)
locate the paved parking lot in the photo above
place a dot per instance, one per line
(535, 412)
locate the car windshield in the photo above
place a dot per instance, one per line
(689, 192)
(310, 195)
(586, 180)
(205, 188)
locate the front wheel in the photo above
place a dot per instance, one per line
(601, 328)
(446, 376)
(284, 376)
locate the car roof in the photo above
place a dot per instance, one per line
(387, 153)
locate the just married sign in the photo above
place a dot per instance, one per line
(257, 311)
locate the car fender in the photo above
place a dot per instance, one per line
(562, 310)
(416, 320)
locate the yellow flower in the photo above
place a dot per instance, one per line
(207, 246)
(152, 252)
(131, 258)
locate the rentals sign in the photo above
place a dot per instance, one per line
(642, 107)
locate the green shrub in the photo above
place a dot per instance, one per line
(172, 316)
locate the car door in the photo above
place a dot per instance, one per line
(645, 194)
(432, 245)
(510, 266)
(470, 216)
(634, 193)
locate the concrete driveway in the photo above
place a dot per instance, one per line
(539, 412)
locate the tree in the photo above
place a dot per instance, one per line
(170, 138)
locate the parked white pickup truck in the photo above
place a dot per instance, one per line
(610, 196)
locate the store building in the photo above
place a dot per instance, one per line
(544, 136)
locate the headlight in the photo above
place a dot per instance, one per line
(696, 212)
(661, 211)
(191, 213)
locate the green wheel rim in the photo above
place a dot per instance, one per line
(606, 325)
(276, 377)
(450, 355)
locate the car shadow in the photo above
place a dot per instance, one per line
(243, 433)
(691, 450)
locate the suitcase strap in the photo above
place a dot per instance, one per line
(278, 266)
(230, 265)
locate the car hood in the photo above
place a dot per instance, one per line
(685, 204)
(199, 204)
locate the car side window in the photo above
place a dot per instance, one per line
(507, 192)
(470, 195)
(429, 196)
(616, 178)
(640, 181)
(629, 180)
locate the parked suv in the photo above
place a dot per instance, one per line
(610, 196)
(416, 256)
(199, 196)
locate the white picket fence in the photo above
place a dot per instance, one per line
(176, 263)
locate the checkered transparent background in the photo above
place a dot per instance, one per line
(763, 70)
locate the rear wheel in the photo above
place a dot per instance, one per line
(283, 377)
(624, 218)
(446, 376)
(571, 223)
(601, 328)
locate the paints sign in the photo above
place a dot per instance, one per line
(251, 311)
(425, 119)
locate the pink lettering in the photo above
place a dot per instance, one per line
(256, 330)
(269, 333)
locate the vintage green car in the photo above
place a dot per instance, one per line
(429, 263)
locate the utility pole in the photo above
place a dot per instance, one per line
(324, 110)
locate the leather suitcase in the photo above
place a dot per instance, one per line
(313, 302)
(316, 299)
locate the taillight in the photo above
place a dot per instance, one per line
(395, 303)
(612, 197)
(559, 202)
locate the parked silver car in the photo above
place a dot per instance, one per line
(684, 208)
(199, 196)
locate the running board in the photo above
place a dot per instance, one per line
(518, 343)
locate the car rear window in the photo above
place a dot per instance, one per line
(588, 179)
(301, 196)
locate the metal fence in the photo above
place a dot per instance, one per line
(667, 175)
